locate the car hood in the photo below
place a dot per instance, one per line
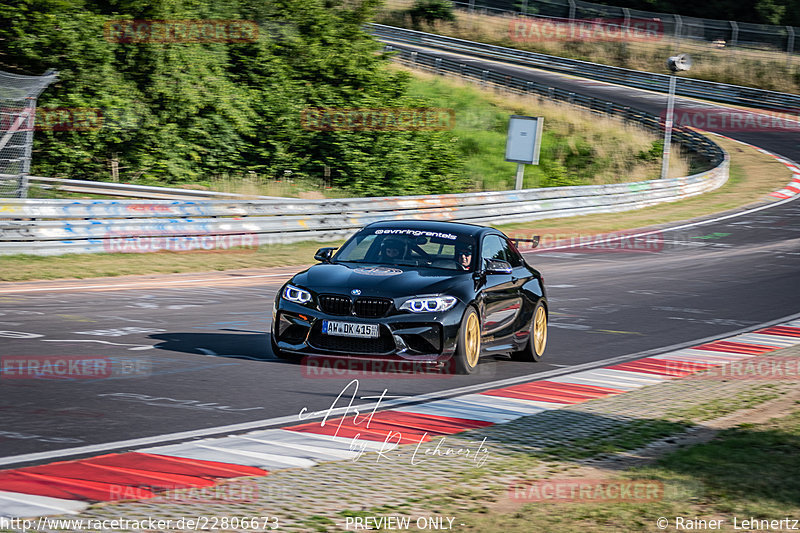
(382, 280)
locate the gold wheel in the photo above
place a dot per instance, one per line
(472, 340)
(539, 330)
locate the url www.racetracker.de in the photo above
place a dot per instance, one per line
(196, 523)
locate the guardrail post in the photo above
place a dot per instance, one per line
(461, 70)
(734, 35)
(413, 57)
(572, 9)
(525, 7)
(472, 6)
(484, 77)
(789, 45)
(678, 28)
(438, 65)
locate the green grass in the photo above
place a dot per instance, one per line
(318, 523)
(721, 407)
(41, 193)
(628, 437)
(758, 476)
(749, 471)
(578, 148)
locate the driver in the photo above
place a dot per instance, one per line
(393, 250)
(464, 256)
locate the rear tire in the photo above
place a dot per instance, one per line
(468, 349)
(537, 340)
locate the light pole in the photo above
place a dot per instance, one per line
(675, 64)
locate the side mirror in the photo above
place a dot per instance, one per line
(497, 266)
(324, 254)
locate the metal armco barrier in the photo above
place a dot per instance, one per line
(127, 190)
(707, 90)
(52, 227)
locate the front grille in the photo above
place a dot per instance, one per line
(337, 304)
(334, 304)
(372, 307)
(381, 345)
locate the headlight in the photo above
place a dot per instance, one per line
(430, 304)
(293, 294)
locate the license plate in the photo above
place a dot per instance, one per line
(350, 329)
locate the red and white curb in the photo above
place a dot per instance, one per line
(69, 486)
(793, 187)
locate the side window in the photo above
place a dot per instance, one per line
(512, 255)
(492, 248)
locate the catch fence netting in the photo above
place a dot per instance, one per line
(18, 96)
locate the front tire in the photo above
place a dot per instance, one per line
(468, 349)
(537, 340)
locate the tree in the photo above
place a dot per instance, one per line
(181, 111)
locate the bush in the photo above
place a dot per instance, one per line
(430, 11)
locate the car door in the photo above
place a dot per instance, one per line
(501, 299)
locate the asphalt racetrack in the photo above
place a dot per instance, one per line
(191, 353)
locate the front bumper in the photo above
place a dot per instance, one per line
(430, 337)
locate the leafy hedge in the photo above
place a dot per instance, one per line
(182, 112)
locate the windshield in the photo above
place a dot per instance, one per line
(409, 247)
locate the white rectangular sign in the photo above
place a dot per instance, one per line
(524, 139)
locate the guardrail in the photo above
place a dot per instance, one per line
(735, 37)
(707, 90)
(52, 227)
(91, 226)
(128, 190)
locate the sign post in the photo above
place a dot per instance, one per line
(675, 64)
(523, 143)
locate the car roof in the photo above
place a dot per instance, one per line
(435, 225)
